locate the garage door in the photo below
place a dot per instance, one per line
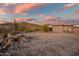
(57, 28)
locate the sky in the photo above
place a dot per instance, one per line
(39, 12)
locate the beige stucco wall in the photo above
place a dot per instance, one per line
(61, 28)
(57, 29)
(76, 29)
(68, 29)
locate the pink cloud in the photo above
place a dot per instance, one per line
(23, 19)
(49, 17)
(27, 6)
(9, 4)
(4, 11)
(77, 11)
(41, 15)
(68, 6)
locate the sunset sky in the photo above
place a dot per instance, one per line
(39, 12)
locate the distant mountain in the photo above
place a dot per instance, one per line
(3, 21)
(53, 20)
(58, 20)
(27, 24)
(71, 21)
(47, 20)
(20, 24)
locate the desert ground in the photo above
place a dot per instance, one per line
(46, 44)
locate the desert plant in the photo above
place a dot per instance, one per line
(45, 28)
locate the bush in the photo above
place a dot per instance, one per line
(45, 28)
(37, 29)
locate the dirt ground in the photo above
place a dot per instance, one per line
(48, 44)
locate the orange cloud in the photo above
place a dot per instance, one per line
(27, 6)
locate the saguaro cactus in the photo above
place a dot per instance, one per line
(15, 26)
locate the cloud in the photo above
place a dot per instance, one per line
(27, 6)
(49, 17)
(4, 11)
(23, 19)
(19, 8)
(77, 11)
(65, 7)
(23, 14)
(9, 4)
(41, 15)
(68, 6)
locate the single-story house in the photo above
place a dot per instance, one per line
(61, 28)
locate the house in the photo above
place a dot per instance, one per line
(61, 28)
(76, 28)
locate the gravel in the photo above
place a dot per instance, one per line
(45, 44)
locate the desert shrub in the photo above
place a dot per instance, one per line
(36, 29)
(28, 30)
(45, 28)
